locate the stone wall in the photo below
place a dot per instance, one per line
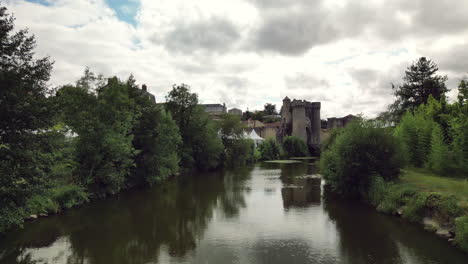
(302, 119)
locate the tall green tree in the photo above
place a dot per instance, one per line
(270, 109)
(24, 117)
(103, 122)
(156, 140)
(238, 151)
(201, 147)
(463, 92)
(420, 81)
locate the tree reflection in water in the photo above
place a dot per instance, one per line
(134, 226)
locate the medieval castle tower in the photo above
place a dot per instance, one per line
(301, 118)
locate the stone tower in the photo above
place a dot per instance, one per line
(301, 118)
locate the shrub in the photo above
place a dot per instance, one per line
(388, 197)
(41, 204)
(295, 147)
(414, 133)
(269, 150)
(10, 216)
(240, 152)
(361, 150)
(68, 196)
(438, 161)
(460, 143)
(415, 210)
(461, 232)
(330, 140)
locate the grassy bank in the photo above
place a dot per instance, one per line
(440, 203)
(426, 181)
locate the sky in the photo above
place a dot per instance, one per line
(245, 53)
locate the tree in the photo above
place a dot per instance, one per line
(231, 128)
(247, 115)
(438, 159)
(103, 122)
(24, 116)
(201, 146)
(420, 81)
(156, 139)
(270, 109)
(294, 147)
(360, 152)
(463, 92)
(238, 151)
(269, 149)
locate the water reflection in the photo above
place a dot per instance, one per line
(272, 213)
(301, 185)
(133, 227)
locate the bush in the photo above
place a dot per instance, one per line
(461, 232)
(388, 197)
(295, 147)
(330, 140)
(444, 208)
(415, 210)
(41, 204)
(438, 161)
(269, 150)
(460, 143)
(68, 196)
(10, 216)
(240, 153)
(414, 133)
(361, 151)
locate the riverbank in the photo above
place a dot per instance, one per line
(440, 204)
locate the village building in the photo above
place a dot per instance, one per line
(215, 111)
(235, 111)
(334, 122)
(264, 130)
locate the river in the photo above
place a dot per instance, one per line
(269, 213)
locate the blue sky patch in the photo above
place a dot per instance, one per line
(41, 2)
(125, 10)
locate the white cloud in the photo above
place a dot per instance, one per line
(250, 52)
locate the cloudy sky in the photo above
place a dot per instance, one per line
(344, 53)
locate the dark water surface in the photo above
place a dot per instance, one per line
(267, 214)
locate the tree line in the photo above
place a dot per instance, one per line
(62, 147)
(420, 129)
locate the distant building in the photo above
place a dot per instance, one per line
(215, 110)
(144, 89)
(301, 118)
(337, 122)
(264, 130)
(235, 111)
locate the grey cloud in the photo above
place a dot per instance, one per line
(213, 35)
(454, 60)
(304, 81)
(292, 28)
(377, 83)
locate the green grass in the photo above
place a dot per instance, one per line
(426, 181)
(303, 158)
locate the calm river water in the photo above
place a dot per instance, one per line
(270, 213)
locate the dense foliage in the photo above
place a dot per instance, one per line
(238, 150)
(201, 147)
(434, 136)
(361, 151)
(420, 82)
(59, 148)
(269, 149)
(24, 118)
(294, 147)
